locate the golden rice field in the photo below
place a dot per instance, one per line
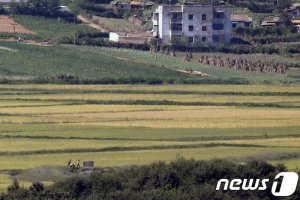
(121, 125)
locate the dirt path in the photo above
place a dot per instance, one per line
(90, 23)
(30, 42)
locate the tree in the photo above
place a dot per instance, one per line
(14, 186)
(284, 4)
(35, 7)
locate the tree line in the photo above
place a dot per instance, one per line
(177, 180)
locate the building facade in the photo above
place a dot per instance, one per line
(192, 23)
(241, 21)
(294, 11)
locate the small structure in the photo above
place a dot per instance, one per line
(241, 21)
(88, 165)
(135, 4)
(129, 38)
(116, 5)
(64, 9)
(296, 23)
(294, 11)
(271, 21)
(149, 5)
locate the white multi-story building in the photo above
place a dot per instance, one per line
(193, 23)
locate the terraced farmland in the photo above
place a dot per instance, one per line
(114, 125)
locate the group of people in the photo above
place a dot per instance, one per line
(231, 63)
(244, 64)
(163, 51)
(70, 164)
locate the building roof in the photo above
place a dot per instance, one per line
(293, 7)
(296, 23)
(241, 18)
(149, 3)
(270, 21)
(135, 3)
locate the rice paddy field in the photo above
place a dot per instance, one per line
(44, 126)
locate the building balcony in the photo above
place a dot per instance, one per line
(218, 32)
(217, 20)
(179, 21)
(176, 32)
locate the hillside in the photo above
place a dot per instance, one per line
(79, 64)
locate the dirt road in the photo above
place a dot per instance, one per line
(90, 23)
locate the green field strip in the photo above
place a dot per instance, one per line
(118, 148)
(192, 98)
(270, 156)
(292, 163)
(118, 91)
(140, 133)
(196, 88)
(190, 139)
(125, 158)
(162, 102)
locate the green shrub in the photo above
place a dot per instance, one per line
(180, 179)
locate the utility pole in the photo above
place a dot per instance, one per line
(14, 27)
(156, 49)
(74, 41)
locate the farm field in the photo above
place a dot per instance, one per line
(116, 25)
(43, 126)
(8, 25)
(41, 28)
(82, 64)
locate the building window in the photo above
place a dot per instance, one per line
(155, 16)
(203, 39)
(191, 17)
(191, 39)
(191, 28)
(218, 27)
(204, 17)
(203, 28)
(219, 15)
(176, 27)
(176, 16)
(218, 38)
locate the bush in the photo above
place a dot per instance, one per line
(2, 10)
(180, 179)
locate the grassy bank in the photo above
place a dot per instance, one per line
(82, 65)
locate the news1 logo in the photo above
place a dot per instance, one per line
(284, 184)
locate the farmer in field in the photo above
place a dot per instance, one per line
(69, 162)
(19, 39)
